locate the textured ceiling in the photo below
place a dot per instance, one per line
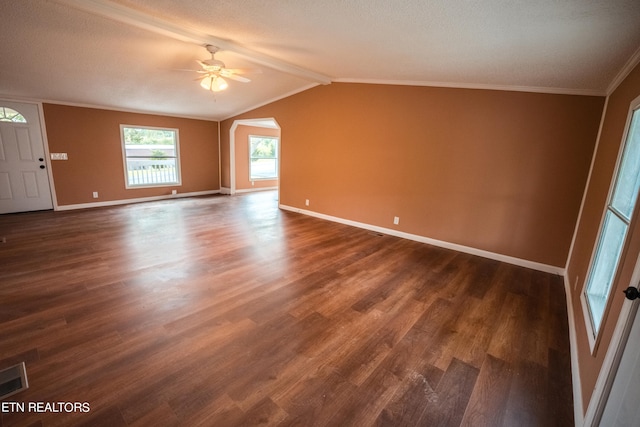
(73, 51)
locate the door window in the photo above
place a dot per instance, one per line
(10, 115)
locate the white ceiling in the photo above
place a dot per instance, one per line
(123, 54)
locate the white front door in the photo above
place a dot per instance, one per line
(24, 180)
(622, 409)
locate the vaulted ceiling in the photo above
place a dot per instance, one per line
(126, 54)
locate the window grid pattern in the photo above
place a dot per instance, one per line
(10, 115)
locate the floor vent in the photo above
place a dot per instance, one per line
(13, 380)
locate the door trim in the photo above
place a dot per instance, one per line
(232, 148)
(47, 158)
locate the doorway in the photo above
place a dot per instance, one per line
(242, 132)
(25, 183)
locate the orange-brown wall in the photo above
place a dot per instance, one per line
(91, 137)
(494, 170)
(613, 127)
(242, 157)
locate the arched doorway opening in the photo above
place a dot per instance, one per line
(254, 150)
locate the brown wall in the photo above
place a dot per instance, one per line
(242, 157)
(91, 137)
(493, 170)
(613, 128)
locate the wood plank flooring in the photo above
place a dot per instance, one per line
(225, 311)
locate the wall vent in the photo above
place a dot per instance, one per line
(13, 380)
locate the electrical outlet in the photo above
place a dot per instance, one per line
(306, 202)
(174, 192)
(95, 194)
(396, 220)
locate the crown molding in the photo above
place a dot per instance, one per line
(533, 89)
(624, 72)
(119, 13)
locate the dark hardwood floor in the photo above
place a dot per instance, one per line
(225, 311)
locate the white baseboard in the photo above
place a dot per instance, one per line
(137, 200)
(251, 190)
(453, 246)
(578, 409)
(225, 190)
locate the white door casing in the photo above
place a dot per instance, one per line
(24, 179)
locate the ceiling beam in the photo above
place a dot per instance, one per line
(138, 19)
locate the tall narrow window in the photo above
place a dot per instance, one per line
(151, 156)
(263, 157)
(615, 227)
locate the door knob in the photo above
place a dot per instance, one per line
(41, 159)
(41, 166)
(631, 293)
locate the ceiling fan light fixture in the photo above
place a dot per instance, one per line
(214, 83)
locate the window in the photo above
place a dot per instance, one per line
(615, 227)
(151, 156)
(263, 157)
(10, 115)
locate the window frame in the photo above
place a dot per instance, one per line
(276, 157)
(594, 335)
(178, 172)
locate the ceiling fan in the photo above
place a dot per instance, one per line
(214, 70)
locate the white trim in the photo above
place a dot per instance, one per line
(138, 19)
(482, 86)
(624, 72)
(225, 190)
(103, 107)
(447, 245)
(219, 158)
(578, 409)
(232, 158)
(45, 141)
(232, 145)
(586, 186)
(136, 200)
(584, 304)
(253, 190)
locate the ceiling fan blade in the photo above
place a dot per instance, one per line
(244, 70)
(236, 78)
(190, 70)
